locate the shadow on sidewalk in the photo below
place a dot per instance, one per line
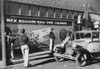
(94, 61)
(34, 59)
(44, 62)
(47, 57)
(32, 50)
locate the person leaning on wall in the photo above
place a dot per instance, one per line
(24, 41)
(52, 38)
(8, 46)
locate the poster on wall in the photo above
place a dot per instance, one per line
(39, 35)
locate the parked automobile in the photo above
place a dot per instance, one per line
(84, 48)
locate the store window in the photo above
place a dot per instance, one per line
(50, 12)
(75, 15)
(42, 11)
(34, 10)
(70, 14)
(64, 14)
(13, 8)
(58, 13)
(24, 10)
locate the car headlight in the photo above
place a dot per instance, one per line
(74, 45)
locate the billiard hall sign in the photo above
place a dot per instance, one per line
(38, 22)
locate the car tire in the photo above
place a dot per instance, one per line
(58, 51)
(82, 59)
(58, 58)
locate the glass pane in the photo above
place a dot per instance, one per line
(42, 11)
(70, 15)
(34, 10)
(64, 14)
(75, 15)
(95, 35)
(24, 10)
(58, 12)
(50, 12)
(15, 8)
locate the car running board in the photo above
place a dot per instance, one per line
(65, 56)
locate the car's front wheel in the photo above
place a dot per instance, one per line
(82, 59)
(58, 58)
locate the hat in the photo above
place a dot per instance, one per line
(22, 30)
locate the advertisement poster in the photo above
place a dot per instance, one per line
(39, 35)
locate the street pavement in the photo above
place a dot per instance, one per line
(45, 61)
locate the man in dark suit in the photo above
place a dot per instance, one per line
(52, 38)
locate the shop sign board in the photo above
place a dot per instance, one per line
(38, 22)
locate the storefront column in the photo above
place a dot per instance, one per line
(3, 34)
(73, 30)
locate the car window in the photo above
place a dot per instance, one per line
(77, 36)
(95, 35)
(87, 35)
(83, 35)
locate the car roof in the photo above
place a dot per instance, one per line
(88, 31)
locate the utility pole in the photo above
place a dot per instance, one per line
(3, 33)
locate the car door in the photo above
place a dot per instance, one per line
(94, 47)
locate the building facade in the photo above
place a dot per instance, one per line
(40, 14)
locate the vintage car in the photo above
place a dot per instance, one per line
(83, 49)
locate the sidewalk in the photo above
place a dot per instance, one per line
(33, 58)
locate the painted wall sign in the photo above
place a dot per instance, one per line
(20, 20)
(38, 22)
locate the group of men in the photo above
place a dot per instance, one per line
(24, 44)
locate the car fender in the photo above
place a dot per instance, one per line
(80, 50)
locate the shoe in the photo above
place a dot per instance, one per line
(10, 63)
(51, 54)
(29, 65)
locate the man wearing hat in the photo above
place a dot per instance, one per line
(23, 39)
(52, 38)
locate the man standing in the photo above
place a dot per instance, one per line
(52, 37)
(8, 46)
(23, 39)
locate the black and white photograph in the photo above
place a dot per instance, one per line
(49, 34)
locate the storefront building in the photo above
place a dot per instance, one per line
(36, 17)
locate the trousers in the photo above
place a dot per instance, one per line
(51, 45)
(25, 53)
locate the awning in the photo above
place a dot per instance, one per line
(94, 17)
